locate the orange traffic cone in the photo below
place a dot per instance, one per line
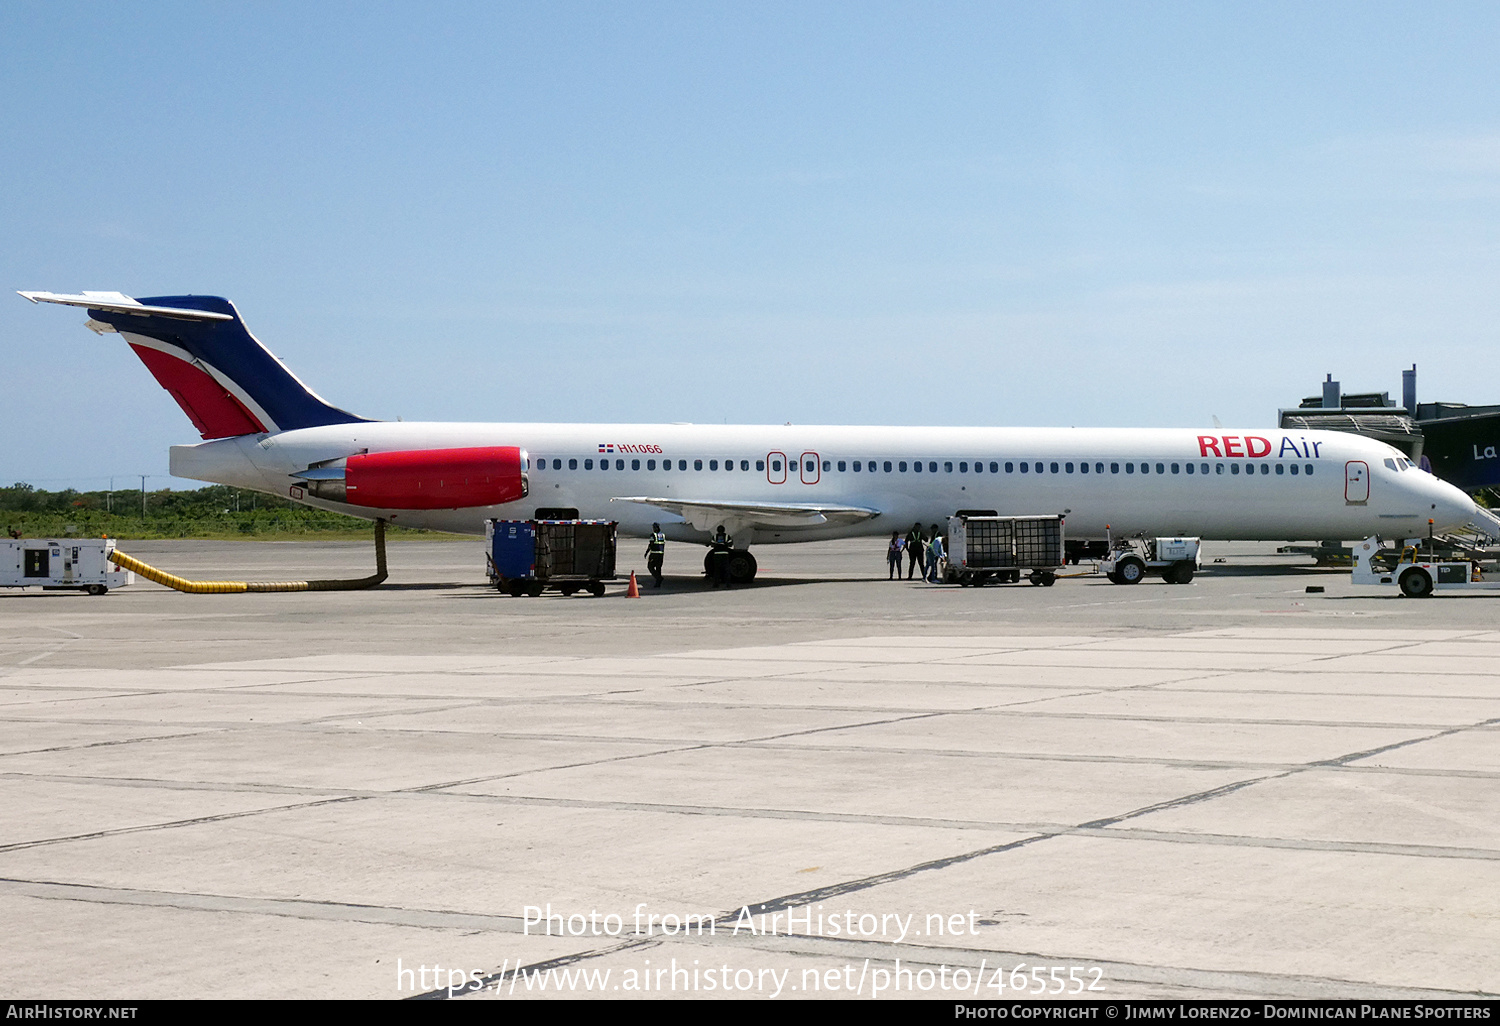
(634, 591)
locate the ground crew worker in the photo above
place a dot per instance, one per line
(719, 551)
(914, 547)
(656, 551)
(934, 555)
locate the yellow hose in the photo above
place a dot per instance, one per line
(235, 587)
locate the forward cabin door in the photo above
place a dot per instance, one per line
(776, 467)
(1356, 482)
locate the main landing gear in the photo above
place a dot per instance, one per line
(742, 566)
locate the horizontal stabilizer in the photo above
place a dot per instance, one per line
(116, 302)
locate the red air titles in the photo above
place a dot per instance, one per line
(1253, 447)
(1234, 445)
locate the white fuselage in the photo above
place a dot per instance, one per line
(1248, 485)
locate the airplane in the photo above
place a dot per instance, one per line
(265, 430)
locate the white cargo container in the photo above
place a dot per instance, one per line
(73, 564)
(983, 547)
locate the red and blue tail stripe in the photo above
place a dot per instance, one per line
(222, 377)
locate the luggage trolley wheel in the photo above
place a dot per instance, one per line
(516, 588)
(534, 588)
(568, 589)
(596, 588)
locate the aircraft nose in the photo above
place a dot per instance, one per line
(1449, 507)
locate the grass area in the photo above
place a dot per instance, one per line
(216, 528)
(218, 512)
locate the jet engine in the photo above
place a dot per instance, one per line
(422, 478)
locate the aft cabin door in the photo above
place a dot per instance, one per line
(810, 472)
(1356, 482)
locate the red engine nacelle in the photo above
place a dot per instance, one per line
(436, 478)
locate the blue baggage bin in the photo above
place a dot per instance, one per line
(513, 549)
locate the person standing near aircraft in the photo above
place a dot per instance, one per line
(914, 547)
(893, 556)
(656, 552)
(718, 557)
(934, 556)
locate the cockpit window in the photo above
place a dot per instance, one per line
(1391, 464)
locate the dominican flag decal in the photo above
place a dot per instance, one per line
(606, 447)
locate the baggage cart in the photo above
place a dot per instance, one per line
(1000, 548)
(528, 556)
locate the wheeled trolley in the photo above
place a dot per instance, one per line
(528, 556)
(981, 549)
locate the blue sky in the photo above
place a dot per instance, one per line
(1011, 214)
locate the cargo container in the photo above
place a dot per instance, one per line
(982, 548)
(527, 556)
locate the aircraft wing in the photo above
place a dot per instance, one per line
(704, 514)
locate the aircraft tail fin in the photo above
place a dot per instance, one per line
(199, 350)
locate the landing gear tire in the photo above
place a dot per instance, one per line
(1130, 571)
(742, 567)
(1416, 583)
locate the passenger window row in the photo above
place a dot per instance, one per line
(931, 466)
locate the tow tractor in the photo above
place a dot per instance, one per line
(1415, 576)
(1131, 560)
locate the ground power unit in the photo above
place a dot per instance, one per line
(70, 565)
